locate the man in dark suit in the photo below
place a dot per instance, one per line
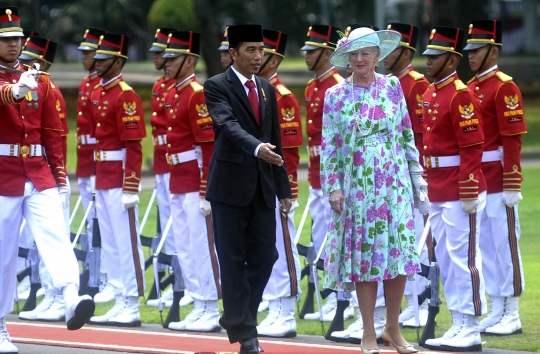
(246, 174)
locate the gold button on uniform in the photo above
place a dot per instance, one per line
(434, 94)
(425, 147)
(162, 85)
(169, 146)
(310, 121)
(153, 128)
(428, 129)
(170, 128)
(174, 116)
(26, 135)
(429, 111)
(98, 125)
(171, 111)
(154, 114)
(316, 89)
(477, 88)
(87, 84)
(22, 117)
(434, 118)
(103, 94)
(313, 104)
(309, 138)
(80, 113)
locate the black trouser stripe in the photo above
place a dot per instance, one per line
(135, 251)
(512, 240)
(475, 275)
(289, 255)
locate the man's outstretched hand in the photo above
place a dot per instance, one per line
(266, 153)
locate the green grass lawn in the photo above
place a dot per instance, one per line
(529, 210)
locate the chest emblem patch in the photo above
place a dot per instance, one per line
(288, 113)
(130, 108)
(467, 111)
(512, 102)
(202, 110)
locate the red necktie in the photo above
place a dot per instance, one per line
(254, 101)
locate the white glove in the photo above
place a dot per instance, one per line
(421, 200)
(294, 205)
(511, 198)
(500, 150)
(93, 183)
(129, 200)
(469, 206)
(27, 83)
(62, 192)
(204, 207)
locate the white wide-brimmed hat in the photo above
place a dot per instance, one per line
(364, 37)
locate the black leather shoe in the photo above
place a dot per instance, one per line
(250, 346)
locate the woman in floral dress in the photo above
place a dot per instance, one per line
(369, 164)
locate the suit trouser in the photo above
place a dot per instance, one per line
(424, 259)
(501, 257)
(246, 246)
(43, 214)
(285, 278)
(121, 244)
(195, 247)
(164, 204)
(458, 255)
(85, 189)
(321, 214)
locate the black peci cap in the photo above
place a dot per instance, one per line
(409, 34)
(245, 33)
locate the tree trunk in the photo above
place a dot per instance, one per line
(210, 40)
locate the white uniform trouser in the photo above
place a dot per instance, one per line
(285, 278)
(85, 189)
(321, 215)
(121, 245)
(43, 214)
(424, 258)
(195, 247)
(458, 255)
(164, 205)
(501, 257)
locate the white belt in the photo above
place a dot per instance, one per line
(160, 140)
(114, 155)
(314, 151)
(181, 157)
(85, 139)
(15, 150)
(441, 161)
(492, 155)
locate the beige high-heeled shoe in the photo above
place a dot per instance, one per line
(369, 351)
(402, 349)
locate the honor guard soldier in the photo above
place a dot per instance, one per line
(504, 123)
(41, 51)
(119, 127)
(31, 186)
(414, 85)
(225, 58)
(320, 44)
(158, 120)
(453, 138)
(85, 171)
(283, 287)
(190, 142)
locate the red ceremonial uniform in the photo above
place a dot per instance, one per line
(62, 114)
(453, 127)
(26, 126)
(118, 124)
(314, 97)
(290, 122)
(158, 120)
(504, 122)
(414, 85)
(189, 125)
(85, 151)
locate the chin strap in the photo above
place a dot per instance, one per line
(109, 68)
(480, 68)
(317, 61)
(397, 59)
(442, 66)
(180, 68)
(266, 62)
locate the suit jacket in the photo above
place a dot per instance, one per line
(234, 171)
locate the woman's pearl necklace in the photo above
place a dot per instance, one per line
(356, 113)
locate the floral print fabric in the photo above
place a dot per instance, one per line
(367, 145)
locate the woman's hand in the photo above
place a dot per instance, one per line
(336, 201)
